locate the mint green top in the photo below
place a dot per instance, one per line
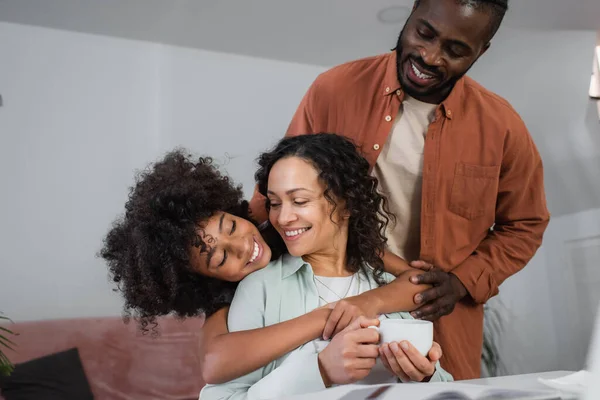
(283, 290)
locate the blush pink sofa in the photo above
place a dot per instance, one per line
(120, 362)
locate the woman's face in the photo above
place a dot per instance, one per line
(299, 210)
(233, 248)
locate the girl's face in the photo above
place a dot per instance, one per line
(299, 210)
(233, 248)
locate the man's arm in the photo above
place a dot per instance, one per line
(521, 219)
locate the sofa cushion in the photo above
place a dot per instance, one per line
(120, 362)
(57, 376)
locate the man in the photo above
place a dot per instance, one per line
(460, 170)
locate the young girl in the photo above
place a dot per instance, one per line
(185, 241)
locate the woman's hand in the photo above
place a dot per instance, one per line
(351, 354)
(404, 361)
(347, 310)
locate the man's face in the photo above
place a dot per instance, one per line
(438, 45)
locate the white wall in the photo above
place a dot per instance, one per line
(80, 113)
(230, 107)
(573, 247)
(545, 75)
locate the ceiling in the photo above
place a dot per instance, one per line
(320, 32)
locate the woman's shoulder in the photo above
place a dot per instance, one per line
(262, 275)
(274, 271)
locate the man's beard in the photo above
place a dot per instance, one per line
(443, 88)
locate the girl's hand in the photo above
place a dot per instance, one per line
(345, 311)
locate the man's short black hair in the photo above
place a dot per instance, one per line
(497, 8)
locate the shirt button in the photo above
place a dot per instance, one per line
(388, 118)
(398, 92)
(387, 89)
(375, 146)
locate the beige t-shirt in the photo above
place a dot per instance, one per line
(399, 169)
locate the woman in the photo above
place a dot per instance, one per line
(324, 204)
(183, 244)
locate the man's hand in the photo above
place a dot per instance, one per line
(440, 300)
(404, 361)
(351, 354)
(347, 310)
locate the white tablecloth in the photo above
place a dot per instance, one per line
(523, 382)
(473, 388)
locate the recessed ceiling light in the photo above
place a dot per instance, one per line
(393, 14)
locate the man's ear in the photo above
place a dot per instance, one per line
(485, 48)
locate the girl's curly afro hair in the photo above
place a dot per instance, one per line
(148, 248)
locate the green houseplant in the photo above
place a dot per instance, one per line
(6, 367)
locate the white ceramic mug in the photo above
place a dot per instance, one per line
(418, 332)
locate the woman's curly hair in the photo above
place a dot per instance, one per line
(345, 174)
(148, 248)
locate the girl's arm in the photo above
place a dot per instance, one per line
(225, 356)
(398, 295)
(395, 265)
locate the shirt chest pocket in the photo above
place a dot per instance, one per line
(474, 190)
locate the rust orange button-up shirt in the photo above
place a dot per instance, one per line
(480, 169)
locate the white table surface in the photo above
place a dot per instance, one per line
(523, 382)
(528, 382)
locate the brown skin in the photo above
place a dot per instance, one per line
(441, 299)
(443, 40)
(231, 240)
(316, 229)
(228, 253)
(404, 360)
(351, 355)
(219, 350)
(382, 300)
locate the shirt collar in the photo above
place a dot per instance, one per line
(291, 265)
(391, 86)
(390, 80)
